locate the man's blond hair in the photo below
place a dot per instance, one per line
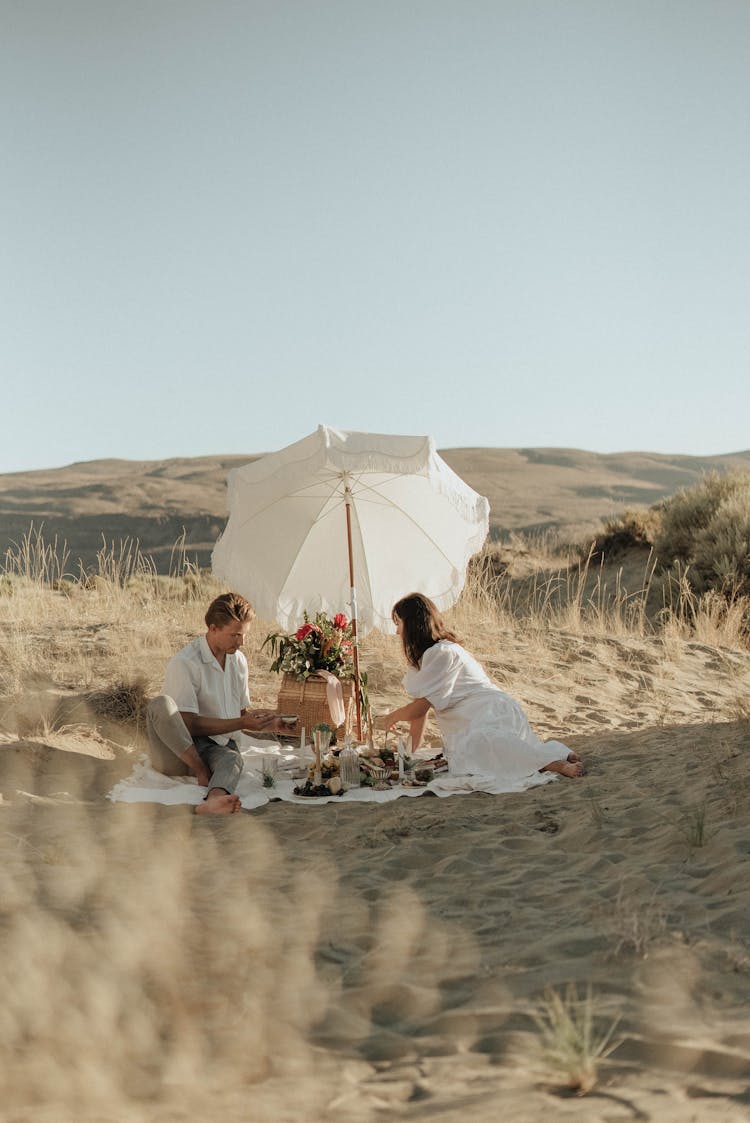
(229, 608)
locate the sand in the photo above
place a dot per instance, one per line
(373, 962)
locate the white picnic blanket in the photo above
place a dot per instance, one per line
(146, 785)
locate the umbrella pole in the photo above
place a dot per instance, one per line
(353, 595)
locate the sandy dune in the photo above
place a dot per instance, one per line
(371, 962)
(365, 962)
(565, 490)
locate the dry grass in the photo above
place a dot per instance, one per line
(635, 527)
(117, 894)
(109, 633)
(694, 825)
(586, 596)
(148, 958)
(638, 920)
(124, 703)
(571, 1044)
(92, 631)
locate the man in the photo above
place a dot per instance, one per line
(205, 699)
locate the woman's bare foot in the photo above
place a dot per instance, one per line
(574, 757)
(218, 802)
(570, 768)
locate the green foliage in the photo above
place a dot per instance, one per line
(702, 531)
(707, 528)
(320, 644)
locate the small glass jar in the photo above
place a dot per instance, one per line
(349, 768)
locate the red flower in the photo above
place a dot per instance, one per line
(340, 621)
(304, 631)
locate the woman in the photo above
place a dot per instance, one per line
(485, 732)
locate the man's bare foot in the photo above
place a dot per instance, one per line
(218, 802)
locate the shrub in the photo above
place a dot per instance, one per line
(722, 549)
(123, 702)
(707, 528)
(636, 527)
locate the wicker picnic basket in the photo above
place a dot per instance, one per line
(307, 698)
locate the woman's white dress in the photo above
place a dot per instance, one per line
(487, 739)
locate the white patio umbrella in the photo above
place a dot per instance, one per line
(346, 518)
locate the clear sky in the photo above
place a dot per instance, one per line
(502, 222)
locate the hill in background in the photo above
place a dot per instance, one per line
(567, 491)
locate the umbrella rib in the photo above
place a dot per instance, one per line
(364, 493)
(358, 478)
(389, 503)
(308, 491)
(301, 492)
(391, 477)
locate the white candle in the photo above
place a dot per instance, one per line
(400, 759)
(302, 738)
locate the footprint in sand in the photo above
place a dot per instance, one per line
(547, 822)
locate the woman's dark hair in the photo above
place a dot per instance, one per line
(422, 626)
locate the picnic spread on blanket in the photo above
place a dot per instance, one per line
(368, 491)
(280, 771)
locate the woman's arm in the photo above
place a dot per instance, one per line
(419, 708)
(415, 713)
(416, 709)
(416, 729)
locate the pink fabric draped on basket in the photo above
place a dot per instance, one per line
(334, 697)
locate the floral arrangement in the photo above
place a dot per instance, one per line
(320, 644)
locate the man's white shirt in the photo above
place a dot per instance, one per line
(196, 682)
